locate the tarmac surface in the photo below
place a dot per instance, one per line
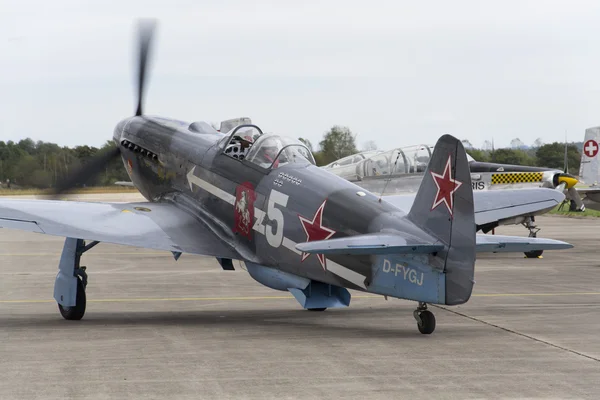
(160, 329)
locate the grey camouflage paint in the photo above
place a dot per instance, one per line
(179, 150)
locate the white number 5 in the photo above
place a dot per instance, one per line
(275, 234)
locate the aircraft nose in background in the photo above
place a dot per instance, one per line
(568, 179)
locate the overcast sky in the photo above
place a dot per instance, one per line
(397, 72)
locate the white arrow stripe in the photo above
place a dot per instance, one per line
(288, 244)
(209, 187)
(346, 273)
(333, 267)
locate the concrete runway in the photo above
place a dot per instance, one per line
(156, 329)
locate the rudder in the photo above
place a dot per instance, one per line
(589, 167)
(444, 208)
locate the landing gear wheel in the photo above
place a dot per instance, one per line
(534, 253)
(317, 309)
(425, 319)
(75, 313)
(533, 230)
(427, 324)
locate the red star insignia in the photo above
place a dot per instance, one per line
(316, 231)
(446, 186)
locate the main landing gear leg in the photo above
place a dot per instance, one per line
(71, 280)
(425, 319)
(533, 230)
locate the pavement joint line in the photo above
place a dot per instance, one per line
(240, 298)
(575, 352)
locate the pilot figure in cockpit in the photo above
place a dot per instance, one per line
(268, 153)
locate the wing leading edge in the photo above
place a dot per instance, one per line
(160, 226)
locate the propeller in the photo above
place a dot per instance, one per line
(145, 32)
(566, 162)
(91, 168)
(98, 162)
(565, 178)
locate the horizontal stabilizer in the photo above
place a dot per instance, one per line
(372, 243)
(516, 244)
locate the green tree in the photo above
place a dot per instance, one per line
(307, 143)
(84, 153)
(114, 171)
(512, 156)
(319, 158)
(337, 143)
(42, 164)
(553, 156)
(479, 155)
(27, 145)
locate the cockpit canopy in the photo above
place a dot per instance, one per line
(247, 142)
(273, 151)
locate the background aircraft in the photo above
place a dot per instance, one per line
(373, 169)
(260, 199)
(589, 170)
(400, 170)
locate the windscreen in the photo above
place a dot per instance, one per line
(272, 151)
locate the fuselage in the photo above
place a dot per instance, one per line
(262, 212)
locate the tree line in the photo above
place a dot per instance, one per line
(339, 142)
(43, 164)
(551, 155)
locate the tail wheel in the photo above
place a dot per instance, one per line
(427, 324)
(76, 312)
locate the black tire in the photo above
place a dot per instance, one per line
(317, 309)
(75, 313)
(533, 253)
(427, 325)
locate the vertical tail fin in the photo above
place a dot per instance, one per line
(588, 169)
(444, 208)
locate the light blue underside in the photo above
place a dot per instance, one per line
(408, 277)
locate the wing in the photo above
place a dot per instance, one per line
(588, 190)
(498, 205)
(397, 244)
(160, 226)
(590, 196)
(517, 244)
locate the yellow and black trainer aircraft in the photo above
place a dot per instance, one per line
(260, 199)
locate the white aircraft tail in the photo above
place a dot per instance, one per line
(589, 169)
